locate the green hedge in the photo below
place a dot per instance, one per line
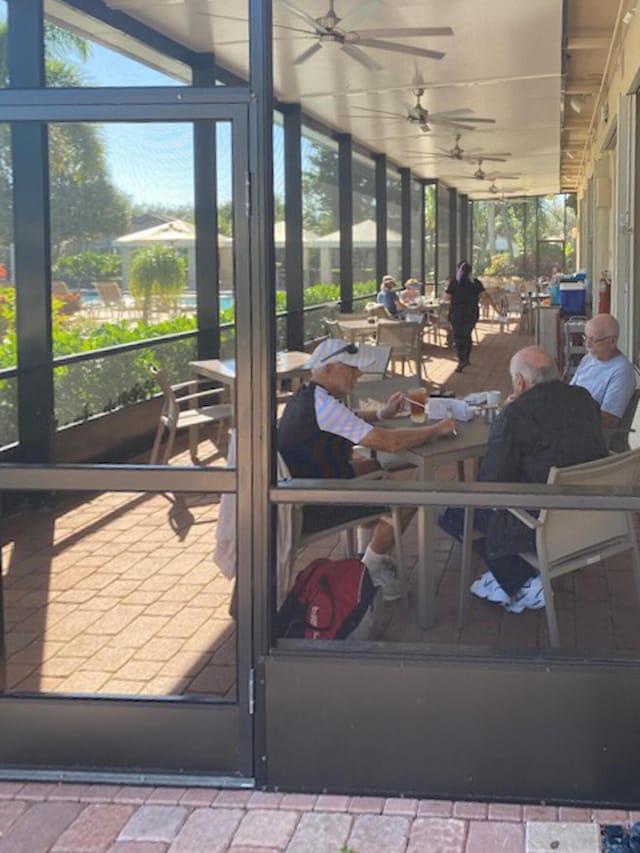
(109, 381)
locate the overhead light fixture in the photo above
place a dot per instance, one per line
(576, 102)
(628, 16)
(570, 155)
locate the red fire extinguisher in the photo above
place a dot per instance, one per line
(604, 294)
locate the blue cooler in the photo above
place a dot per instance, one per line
(572, 297)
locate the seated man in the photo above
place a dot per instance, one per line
(545, 423)
(604, 371)
(388, 297)
(318, 431)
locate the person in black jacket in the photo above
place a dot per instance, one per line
(464, 293)
(545, 423)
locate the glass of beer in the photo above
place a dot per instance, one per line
(418, 405)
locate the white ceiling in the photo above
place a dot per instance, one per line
(503, 61)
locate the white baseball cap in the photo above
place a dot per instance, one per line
(334, 350)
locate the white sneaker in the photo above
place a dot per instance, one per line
(529, 597)
(488, 587)
(386, 577)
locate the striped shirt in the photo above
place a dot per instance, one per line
(335, 417)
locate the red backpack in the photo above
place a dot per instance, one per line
(328, 601)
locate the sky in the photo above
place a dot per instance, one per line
(153, 163)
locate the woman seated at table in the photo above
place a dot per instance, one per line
(410, 296)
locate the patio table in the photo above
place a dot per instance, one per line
(470, 443)
(289, 363)
(357, 331)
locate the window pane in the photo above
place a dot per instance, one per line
(444, 235)
(124, 273)
(321, 222)
(417, 230)
(394, 226)
(8, 352)
(364, 226)
(4, 81)
(74, 58)
(117, 593)
(430, 233)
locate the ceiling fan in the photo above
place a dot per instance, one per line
(473, 155)
(481, 175)
(421, 117)
(331, 29)
(505, 194)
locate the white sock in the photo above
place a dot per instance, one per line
(373, 561)
(363, 538)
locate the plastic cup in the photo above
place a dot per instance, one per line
(494, 398)
(418, 405)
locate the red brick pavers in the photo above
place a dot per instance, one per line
(69, 818)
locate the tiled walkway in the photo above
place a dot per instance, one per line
(69, 818)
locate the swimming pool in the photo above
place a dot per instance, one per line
(186, 301)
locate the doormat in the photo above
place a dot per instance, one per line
(620, 839)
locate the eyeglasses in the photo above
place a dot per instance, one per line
(351, 349)
(590, 340)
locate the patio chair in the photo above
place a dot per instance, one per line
(59, 288)
(377, 370)
(405, 339)
(332, 328)
(439, 326)
(182, 409)
(375, 309)
(568, 540)
(617, 437)
(292, 539)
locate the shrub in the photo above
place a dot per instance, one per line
(80, 270)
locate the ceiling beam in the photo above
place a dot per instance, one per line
(588, 43)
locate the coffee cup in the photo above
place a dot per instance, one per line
(418, 405)
(494, 398)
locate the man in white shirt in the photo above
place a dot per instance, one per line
(604, 371)
(318, 431)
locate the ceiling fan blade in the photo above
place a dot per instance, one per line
(499, 176)
(361, 57)
(401, 48)
(485, 157)
(464, 111)
(377, 112)
(454, 124)
(479, 120)
(303, 15)
(307, 54)
(405, 32)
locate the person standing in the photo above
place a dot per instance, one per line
(464, 293)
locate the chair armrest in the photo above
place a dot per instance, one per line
(199, 395)
(526, 518)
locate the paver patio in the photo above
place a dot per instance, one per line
(117, 593)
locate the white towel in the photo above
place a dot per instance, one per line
(225, 550)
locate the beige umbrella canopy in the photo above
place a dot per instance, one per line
(177, 233)
(180, 235)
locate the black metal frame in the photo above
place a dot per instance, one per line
(345, 182)
(454, 707)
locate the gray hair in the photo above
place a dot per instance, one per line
(534, 365)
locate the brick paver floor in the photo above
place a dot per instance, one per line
(116, 593)
(71, 818)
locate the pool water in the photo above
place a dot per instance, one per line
(188, 300)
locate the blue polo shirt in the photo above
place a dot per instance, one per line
(390, 299)
(611, 383)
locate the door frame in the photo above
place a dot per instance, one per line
(203, 740)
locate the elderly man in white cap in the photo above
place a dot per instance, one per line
(316, 436)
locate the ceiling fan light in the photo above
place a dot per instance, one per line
(628, 16)
(576, 103)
